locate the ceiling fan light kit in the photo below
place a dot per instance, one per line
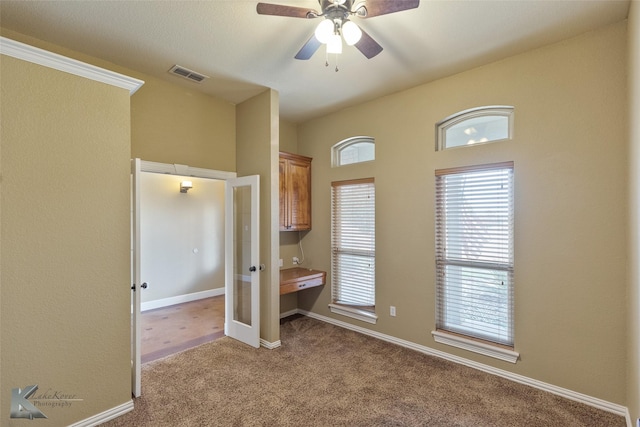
(334, 45)
(351, 33)
(337, 24)
(324, 31)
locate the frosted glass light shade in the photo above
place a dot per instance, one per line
(334, 45)
(324, 31)
(351, 33)
(185, 186)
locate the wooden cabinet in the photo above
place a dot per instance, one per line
(298, 278)
(295, 192)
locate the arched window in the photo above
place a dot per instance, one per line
(475, 126)
(353, 150)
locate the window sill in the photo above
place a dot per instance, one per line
(476, 346)
(365, 316)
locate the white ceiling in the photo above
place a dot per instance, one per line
(244, 52)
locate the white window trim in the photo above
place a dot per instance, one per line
(354, 313)
(365, 312)
(476, 346)
(490, 110)
(337, 148)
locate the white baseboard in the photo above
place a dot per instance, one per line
(105, 416)
(569, 394)
(270, 345)
(179, 299)
(289, 313)
(243, 278)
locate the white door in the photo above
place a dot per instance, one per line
(242, 259)
(136, 281)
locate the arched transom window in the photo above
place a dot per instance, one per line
(475, 126)
(353, 150)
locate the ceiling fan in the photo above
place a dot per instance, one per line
(337, 23)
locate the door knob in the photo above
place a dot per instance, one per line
(252, 268)
(143, 286)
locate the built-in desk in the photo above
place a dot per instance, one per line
(298, 278)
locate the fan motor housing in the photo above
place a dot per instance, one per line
(332, 10)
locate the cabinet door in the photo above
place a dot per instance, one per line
(299, 195)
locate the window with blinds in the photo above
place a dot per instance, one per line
(353, 246)
(474, 252)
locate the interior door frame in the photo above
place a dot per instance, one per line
(137, 167)
(136, 355)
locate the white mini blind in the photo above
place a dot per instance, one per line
(474, 251)
(353, 243)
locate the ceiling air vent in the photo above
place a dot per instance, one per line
(187, 74)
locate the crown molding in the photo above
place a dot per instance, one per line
(48, 59)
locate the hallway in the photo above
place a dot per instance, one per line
(171, 329)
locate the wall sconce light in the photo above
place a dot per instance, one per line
(185, 186)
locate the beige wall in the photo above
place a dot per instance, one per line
(288, 239)
(169, 123)
(570, 153)
(571, 212)
(288, 136)
(65, 240)
(288, 249)
(633, 372)
(182, 236)
(257, 130)
(202, 130)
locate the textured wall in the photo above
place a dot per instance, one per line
(633, 388)
(170, 124)
(570, 152)
(288, 240)
(182, 235)
(257, 130)
(65, 144)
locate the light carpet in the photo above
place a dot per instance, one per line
(324, 375)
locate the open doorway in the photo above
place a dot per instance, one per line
(182, 258)
(169, 330)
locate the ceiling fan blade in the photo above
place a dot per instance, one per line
(281, 10)
(368, 46)
(372, 8)
(309, 48)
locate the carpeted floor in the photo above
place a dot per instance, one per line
(324, 375)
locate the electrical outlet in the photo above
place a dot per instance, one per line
(392, 311)
(281, 263)
(296, 260)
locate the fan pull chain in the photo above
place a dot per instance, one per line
(326, 61)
